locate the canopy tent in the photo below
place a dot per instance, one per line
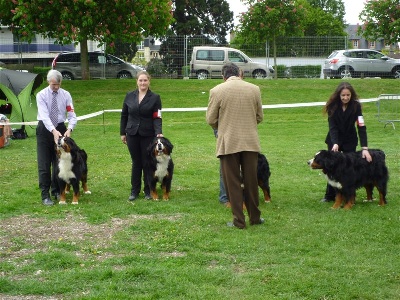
(17, 88)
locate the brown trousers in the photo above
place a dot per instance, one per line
(237, 169)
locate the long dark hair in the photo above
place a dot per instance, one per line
(334, 100)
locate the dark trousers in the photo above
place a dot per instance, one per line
(241, 168)
(137, 146)
(47, 159)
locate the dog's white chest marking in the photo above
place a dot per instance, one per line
(65, 165)
(162, 166)
(333, 183)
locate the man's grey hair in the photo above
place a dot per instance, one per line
(230, 69)
(54, 74)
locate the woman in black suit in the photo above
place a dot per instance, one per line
(344, 115)
(140, 123)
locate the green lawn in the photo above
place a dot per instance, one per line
(109, 248)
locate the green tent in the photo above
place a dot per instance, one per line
(17, 88)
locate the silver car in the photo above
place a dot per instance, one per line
(100, 66)
(360, 63)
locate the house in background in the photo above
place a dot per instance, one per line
(359, 42)
(148, 49)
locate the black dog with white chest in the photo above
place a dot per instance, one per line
(347, 172)
(159, 166)
(71, 169)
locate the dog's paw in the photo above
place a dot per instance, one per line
(74, 202)
(88, 192)
(62, 203)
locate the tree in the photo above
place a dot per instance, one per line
(104, 21)
(266, 20)
(381, 19)
(324, 18)
(211, 19)
(335, 8)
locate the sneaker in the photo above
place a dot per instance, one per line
(147, 197)
(132, 197)
(327, 200)
(47, 202)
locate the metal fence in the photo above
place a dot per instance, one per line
(170, 57)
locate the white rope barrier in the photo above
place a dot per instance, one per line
(187, 109)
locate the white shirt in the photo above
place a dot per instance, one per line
(65, 107)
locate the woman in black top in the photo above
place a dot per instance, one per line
(140, 123)
(344, 112)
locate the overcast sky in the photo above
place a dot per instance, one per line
(352, 7)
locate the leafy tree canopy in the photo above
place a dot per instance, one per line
(202, 17)
(79, 20)
(320, 21)
(104, 21)
(381, 19)
(268, 19)
(334, 8)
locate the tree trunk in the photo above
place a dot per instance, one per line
(85, 60)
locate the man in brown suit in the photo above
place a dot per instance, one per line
(235, 109)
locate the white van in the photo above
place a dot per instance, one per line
(207, 62)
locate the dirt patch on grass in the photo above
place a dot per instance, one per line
(25, 234)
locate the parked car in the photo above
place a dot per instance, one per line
(207, 62)
(100, 66)
(360, 63)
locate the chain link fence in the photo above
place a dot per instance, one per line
(295, 56)
(169, 57)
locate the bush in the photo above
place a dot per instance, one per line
(156, 68)
(309, 71)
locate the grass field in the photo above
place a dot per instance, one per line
(110, 248)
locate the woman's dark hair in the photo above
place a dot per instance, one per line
(334, 100)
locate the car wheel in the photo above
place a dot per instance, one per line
(259, 74)
(202, 74)
(124, 75)
(67, 76)
(346, 72)
(396, 73)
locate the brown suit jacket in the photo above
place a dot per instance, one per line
(235, 109)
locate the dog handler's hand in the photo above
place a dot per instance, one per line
(366, 155)
(123, 138)
(335, 148)
(68, 133)
(56, 135)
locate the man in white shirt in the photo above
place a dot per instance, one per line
(53, 103)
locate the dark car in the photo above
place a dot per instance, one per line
(360, 63)
(101, 65)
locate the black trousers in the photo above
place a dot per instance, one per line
(238, 168)
(137, 146)
(47, 159)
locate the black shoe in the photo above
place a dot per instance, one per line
(47, 202)
(147, 197)
(327, 200)
(132, 197)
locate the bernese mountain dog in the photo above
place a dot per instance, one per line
(347, 172)
(71, 169)
(263, 174)
(159, 166)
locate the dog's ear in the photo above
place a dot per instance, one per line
(168, 144)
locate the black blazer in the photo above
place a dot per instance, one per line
(342, 128)
(144, 118)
